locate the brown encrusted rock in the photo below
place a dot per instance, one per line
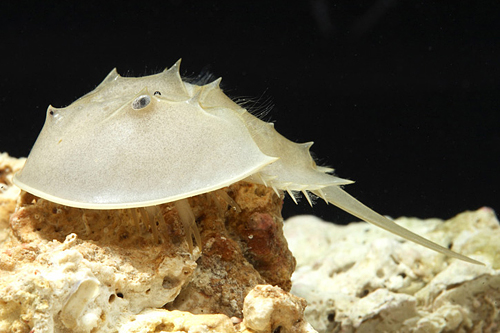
(246, 249)
(259, 228)
(69, 269)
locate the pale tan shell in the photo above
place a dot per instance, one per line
(136, 142)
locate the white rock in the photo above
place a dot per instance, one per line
(270, 309)
(358, 278)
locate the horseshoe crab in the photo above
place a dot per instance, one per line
(145, 141)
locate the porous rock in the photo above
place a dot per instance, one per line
(260, 315)
(245, 249)
(358, 278)
(266, 308)
(66, 269)
(8, 192)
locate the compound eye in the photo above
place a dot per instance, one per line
(141, 102)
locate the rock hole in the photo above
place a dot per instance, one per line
(331, 317)
(363, 293)
(277, 330)
(169, 283)
(119, 295)
(165, 327)
(111, 298)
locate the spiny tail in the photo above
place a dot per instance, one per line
(343, 200)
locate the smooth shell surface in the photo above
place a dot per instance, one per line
(136, 142)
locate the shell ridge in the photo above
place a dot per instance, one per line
(195, 99)
(115, 113)
(296, 168)
(172, 75)
(214, 85)
(112, 78)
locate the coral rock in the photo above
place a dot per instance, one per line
(266, 308)
(66, 269)
(8, 192)
(237, 254)
(270, 309)
(177, 321)
(359, 278)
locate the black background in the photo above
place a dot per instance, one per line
(401, 96)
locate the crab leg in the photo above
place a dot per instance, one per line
(343, 200)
